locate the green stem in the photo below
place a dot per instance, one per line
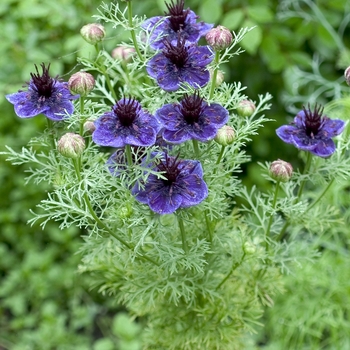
(267, 233)
(109, 83)
(221, 154)
(215, 73)
(196, 148)
(128, 154)
(76, 163)
(82, 107)
(320, 196)
(306, 170)
(183, 234)
(208, 223)
(300, 191)
(132, 32)
(233, 268)
(51, 133)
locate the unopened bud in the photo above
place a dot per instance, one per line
(89, 127)
(219, 38)
(281, 170)
(246, 108)
(123, 53)
(71, 145)
(225, 135)
(249, 248)
(81, 83)
(347, 75)
(93, 33)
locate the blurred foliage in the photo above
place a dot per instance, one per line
(297, 52)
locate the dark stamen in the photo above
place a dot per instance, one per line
(191, 107)
(170, 167)
(43, 83)
(313, 119)
(177, 15)
(126, 111)
(176, 54)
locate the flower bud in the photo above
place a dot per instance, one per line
(281, 170)
(219, 38)
(81, 83)
(93, 33)
(219, 77)
(123, 53)
(89, 127)
(246, 108)
(225, 135)
(71, 145)
(249, 248)
(347, 75)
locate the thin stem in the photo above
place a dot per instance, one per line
(51, 133)
(132, 31)
(196, 148)
(221, 154)
(82, 107)
(215, 73)
(109, 83)
(233, 268)
(128, 154)
(306, 170)
(267, 233)
(183, 234)
(320, 196)
(208, 223)
(98, 220)
(300, 191)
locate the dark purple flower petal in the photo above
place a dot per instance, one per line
(127, 124)
(192, 118)
(45, 95)
(179, 63)
(182, 185)
(161, 27)
(313, 132)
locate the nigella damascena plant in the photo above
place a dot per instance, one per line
(180, 185)
(126, 124)
(192, 118)
(180, 63)
(176, 22)
(45, 95)
(312, 131)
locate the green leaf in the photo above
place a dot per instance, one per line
(232, 19)
(103, 344)
(260, 14)
(252, 39)
(210, 11)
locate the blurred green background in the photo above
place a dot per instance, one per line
(297, 52)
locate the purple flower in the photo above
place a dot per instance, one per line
(311, 131)
(182, 185)
(180, 63)
(178, 22)
(126, 124)
(45, 95)
(192, 118)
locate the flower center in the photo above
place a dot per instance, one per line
(43, 84)
(313, 120)
(191, 108)
(176, 54)
(126, 110)
(170, 169)
(177, 15)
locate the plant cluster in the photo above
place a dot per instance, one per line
(144, 151)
